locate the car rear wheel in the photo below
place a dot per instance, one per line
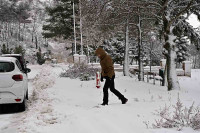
(22, 106)
(4, 108)
(27, 94)
(1, 108)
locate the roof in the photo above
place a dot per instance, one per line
(11, 55)
(8, 59)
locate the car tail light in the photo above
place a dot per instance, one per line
(17, 100)
(17, 77)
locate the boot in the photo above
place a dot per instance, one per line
(103, 104)
(124, 101)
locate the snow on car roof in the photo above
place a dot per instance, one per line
(11, 55)
(8, 59)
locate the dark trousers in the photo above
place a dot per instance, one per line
(110, 84)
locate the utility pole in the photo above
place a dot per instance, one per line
(81, 28)
(74, 28)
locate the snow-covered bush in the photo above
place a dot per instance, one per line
(85, 77)
(81, 71)
(179, 118)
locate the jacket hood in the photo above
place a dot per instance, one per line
(100, 52)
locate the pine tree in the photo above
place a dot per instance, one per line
(115, 47)
(19, 50)
(40, 57)
(5, 49)
(60, 21)
(182, 45)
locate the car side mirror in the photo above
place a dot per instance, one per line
(27, 70)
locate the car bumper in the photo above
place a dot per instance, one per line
(9, 95)
(9, 101)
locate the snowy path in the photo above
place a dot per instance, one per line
(72, 106)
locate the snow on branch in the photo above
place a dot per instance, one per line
(189, 31)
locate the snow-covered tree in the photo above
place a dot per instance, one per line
(13, 15)
(115, 47)
(195, 57)
(134, 19)
(106, 18)
(152, 49)
(172, 15)
(145, 24)
(182, 51)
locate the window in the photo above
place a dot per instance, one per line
(18, 65)
(6, 67)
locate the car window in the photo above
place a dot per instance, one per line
(18, 65)
(20, 59)
(22, 62)
(6, 67)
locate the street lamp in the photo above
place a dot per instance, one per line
(151, 48)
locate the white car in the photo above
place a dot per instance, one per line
(13, 82)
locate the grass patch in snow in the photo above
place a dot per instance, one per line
(180, 117)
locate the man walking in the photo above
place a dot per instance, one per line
(107, 72)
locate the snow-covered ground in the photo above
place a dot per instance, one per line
(64, 105)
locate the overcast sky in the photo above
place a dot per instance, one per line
(193, 20)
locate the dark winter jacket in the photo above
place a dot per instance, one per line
(106, 62)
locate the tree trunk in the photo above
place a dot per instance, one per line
(3, 31)
(11, 30)
(8, 29)
(195, 62)
(126, 54)
(198, 58)
(170, 47)
(19, 32)
(172, 78)
(140, 58)
(33, 32)
(23, 33)
(7, 33)
(36, 42)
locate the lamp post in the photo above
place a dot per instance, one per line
(151, 48)
(150, 55)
